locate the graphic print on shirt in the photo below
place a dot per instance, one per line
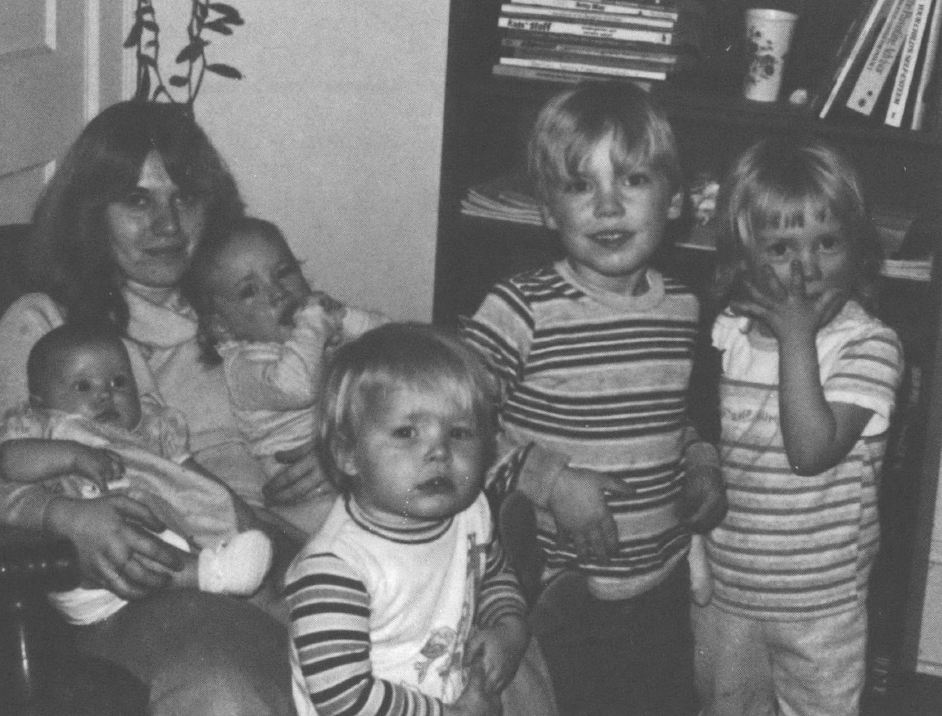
(445, 646)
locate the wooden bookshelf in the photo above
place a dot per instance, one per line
(487, 120)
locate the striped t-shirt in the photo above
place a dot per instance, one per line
(796, 547)
(601, 381)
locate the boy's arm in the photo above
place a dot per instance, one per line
(330, 630)
(39, 459)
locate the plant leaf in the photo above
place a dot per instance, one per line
(134, 35)
(150, 25)
(192, 51)
(178, 81)
(147, 60)
(144, 10)
(218, 26)
(227, 11)
(143, 86)
(225, 70)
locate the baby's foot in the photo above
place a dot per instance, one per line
(238, 566)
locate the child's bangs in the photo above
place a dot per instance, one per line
(775, 208)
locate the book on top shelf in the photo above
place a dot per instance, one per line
(928, 68)
(851, 53)
(562, 46)
(556, 13)
(908, 62)
(638, 72)
(882, 59)
(640, 9)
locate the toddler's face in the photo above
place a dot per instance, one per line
(611, 219)
(96, 382)
(257, 287)
(416, 457)
(817, 247)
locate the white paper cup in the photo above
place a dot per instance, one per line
(768, 36)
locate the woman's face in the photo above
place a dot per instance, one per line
(155, 228)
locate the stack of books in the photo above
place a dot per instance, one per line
(571, 40)
(885, 65)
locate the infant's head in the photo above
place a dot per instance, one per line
(84, 371)
(245, 285)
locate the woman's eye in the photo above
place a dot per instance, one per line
(82, 386)
(778, 249)
(636, 179)
(576, 186)
(187, 198)
(137, 199)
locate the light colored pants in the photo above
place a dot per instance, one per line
(810, 667)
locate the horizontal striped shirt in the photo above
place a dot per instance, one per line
(380, 615)
(796, 547)
(601, 381)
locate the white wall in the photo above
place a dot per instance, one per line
(335, 134)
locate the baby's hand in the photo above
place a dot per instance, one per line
(702, 504)
(330, 313)
(98, 465)
(577, 503)
(499, 649)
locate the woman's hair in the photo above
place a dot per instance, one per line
(194, 286)
(573, 122)
(396, 356)
(70, 254)
(778, 182)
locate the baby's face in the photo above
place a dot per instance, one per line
(257, 287)
(96, 382)
(612, 219)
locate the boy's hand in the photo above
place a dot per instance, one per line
(577, 503)
(499, 649)
(476, 699)
(702, 504)
(98, 465)
(788, 310)
(300, 480)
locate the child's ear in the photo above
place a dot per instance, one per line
(549, 221)
(676, 208)
(343, 458)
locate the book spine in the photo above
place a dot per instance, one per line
(667, 59)
(643, 74)
(582, 29)
(907, 63)
(594, 60)
(652, 11)
(585, 41)
(875, 13)
(920, 106)
(880, 61)
(540, 12)
(536, 73)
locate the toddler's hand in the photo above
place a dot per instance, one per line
(577, 503)
(499, 649)
(702, 504)
(476, 699)
(330, 316)
(788, 310)
(98, 465)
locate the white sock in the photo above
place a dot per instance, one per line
(236, 567)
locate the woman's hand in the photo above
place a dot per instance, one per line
(499, 649)
(476, 699)
(117, 549)
(300, 480)
(98, 465)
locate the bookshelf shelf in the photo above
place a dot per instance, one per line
(487, 120)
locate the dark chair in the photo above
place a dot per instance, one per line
(40, 672)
